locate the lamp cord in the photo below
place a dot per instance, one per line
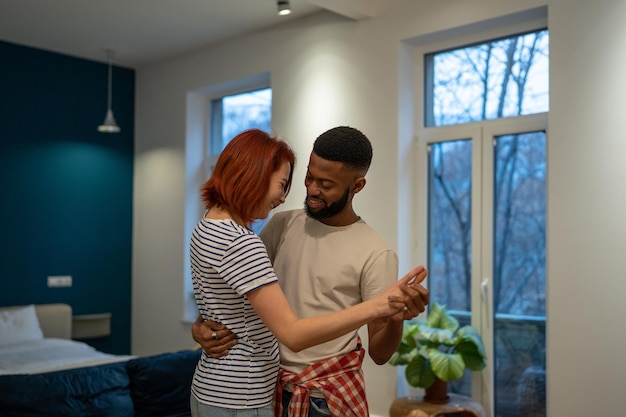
(109, 91)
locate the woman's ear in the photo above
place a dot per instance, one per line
(358, 185)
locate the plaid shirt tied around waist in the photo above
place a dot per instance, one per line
(340, 380)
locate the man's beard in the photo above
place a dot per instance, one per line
(329, 210)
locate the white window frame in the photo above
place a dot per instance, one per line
(482, 134)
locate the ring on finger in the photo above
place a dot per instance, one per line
(214, 335)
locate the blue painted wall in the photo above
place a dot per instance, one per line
(66, 188)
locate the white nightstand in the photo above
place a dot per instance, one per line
(88, 326)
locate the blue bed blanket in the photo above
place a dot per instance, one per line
(156, 386)
(94, 391)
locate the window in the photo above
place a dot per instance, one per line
(231, 115)
(235, 113)
(500, 78)
(484, 146)
(215, 115)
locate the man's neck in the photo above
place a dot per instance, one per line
(345, 218)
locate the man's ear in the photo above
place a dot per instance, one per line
(358, 185)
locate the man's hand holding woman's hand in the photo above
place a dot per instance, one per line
(415, 297)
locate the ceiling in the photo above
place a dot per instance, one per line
(145, 31)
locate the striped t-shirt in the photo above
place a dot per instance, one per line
(228, 261)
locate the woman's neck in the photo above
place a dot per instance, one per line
(220, 213)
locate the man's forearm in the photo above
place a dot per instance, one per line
(386, 337)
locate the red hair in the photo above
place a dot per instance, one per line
(241, 178)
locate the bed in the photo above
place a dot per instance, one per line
(35, 339)
(45, 373)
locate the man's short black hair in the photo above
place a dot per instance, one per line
(345, 144)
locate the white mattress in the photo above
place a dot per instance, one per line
(51, 354)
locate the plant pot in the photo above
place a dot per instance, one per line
(457, 405)
(437, 393)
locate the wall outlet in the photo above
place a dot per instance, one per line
(60, 281)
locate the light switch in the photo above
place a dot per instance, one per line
(60, 281)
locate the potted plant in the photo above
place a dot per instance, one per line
(438, 350)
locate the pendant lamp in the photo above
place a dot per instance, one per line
(109, 125)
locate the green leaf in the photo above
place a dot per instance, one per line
(473, 357)
(418, 373)
(447, 366)
(438, 317)
(474, 362)
(435, 335)
(403, 355)
(410, 332)
(469, 334)
(472, 349)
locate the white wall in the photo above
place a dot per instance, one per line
(587, 209)
(327, 70)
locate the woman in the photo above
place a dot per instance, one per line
(234, 282)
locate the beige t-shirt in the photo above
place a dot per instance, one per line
(323, 269)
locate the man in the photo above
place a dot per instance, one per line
(326, 259)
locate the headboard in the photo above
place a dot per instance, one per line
(55, 320)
